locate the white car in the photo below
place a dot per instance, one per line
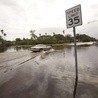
(40, 47)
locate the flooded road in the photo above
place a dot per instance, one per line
(27, 75)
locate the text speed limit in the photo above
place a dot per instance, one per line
(73, 17)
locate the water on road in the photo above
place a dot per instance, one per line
(24, 74)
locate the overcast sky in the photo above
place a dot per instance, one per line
(18, 17)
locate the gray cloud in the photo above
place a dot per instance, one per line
(50, 30)
(95, 10)
(8, 2)
(19, 16)
(13, 5)
(11, 11)
(50, 1)
(95, 6)
(89, 29)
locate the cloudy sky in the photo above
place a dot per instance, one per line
(18, 17)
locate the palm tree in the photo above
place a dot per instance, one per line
(2, 37)
(63, 31)
(2, 31)
(45, 34)
(53, 33)
(33, 36)
(39, 35)
(3, 34)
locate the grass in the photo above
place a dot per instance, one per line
(54, 46)
(59, 46)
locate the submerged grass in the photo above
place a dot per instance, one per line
(54, 46)
(59, 46)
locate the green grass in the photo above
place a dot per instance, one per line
(58, 46)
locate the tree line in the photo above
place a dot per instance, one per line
(53, 39)
(45, 39)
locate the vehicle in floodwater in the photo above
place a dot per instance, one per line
(40, 47)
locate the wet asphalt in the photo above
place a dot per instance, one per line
(37, 75)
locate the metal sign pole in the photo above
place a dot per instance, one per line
(73, 19)
(76, 64)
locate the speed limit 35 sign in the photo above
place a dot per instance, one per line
(73, 16)
(73, 19)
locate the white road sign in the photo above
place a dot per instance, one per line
(73, 16)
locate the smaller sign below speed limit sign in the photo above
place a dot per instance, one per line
(73, 16)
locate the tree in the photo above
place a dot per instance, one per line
(39, 35)
(68, 38)
(45, 34)
(33, 36)
(1, 37)
(53, 33)
(84, 38)
(18, 39)
(59, 38)
(2, 31)
(63, 31)
(2, 41)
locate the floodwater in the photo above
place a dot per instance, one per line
(24, 74)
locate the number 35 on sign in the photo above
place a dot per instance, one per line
(73, 16)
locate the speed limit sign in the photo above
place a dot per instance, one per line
(73, 19)
(73, 16)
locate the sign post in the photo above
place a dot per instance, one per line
(76, 63)
(73, 19)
